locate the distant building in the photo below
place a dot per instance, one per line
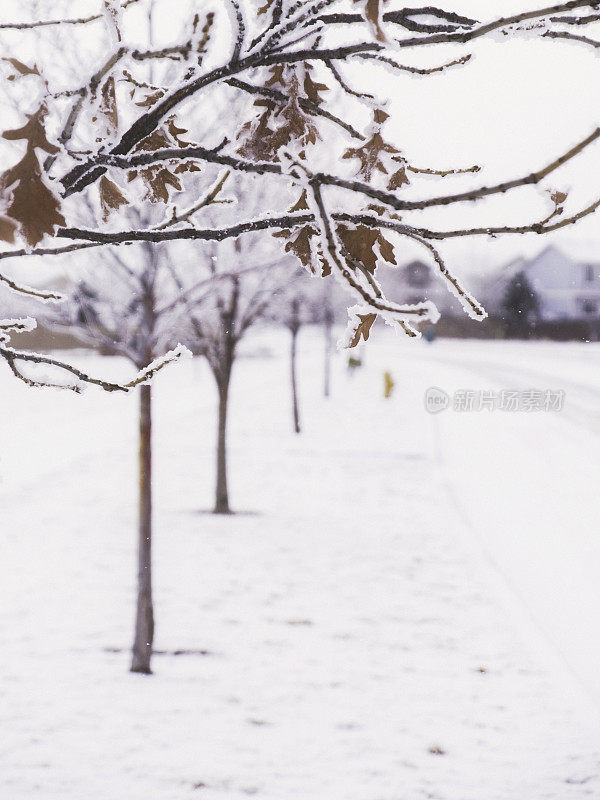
(415, 282)
(567, 289)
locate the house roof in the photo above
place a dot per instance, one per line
(579, 253)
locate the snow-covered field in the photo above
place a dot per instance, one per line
(406, 608)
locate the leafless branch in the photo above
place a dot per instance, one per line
(572, 37)
(15, 357)
(23, 26)
(414, 70)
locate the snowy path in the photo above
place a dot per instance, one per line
(532, 501)
(357, 648)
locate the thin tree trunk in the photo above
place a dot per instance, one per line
(144, 622)
(222, 494)
(294, 382)
(328, 324)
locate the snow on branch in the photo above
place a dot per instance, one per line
(16, 358)
(23, 26)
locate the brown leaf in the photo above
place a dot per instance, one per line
(362, 328)
(301, 203)
(278, 127)
(558, 198)
(158, 178)
(300, 245)
(108, 104)
(22, 68)
(157, 140)
(383, 211)
(34, 132)
(360, 243)
(151, 99)
(187, 166)
(157, 181)
(276, 75)
(7, 229)
(111, 197)
(33, 205)
(312, 89)
(265, 8)
(398, 179)
(372, 15)
(369, 155)
(176, 132)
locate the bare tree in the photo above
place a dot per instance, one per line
(121, 314)
(249, 279)
(297, 306)
(294, 326)
(130, 303)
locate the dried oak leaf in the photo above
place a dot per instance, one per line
(7, 229)
(111, 197)
(360, 243)
(301, 241)
(108, 104)
(383, 211)
(34, 132)
(362, 328)
(21, 68)
(369, 155)
(558, 198)
(277, 127)
(301, 203)
(151, 99)
(300, 245)
(32, 205)
(398, 179)
(158, 178)
(312, 89)
(372, 15)
(276, 75)
(380, 116)
(265, 8)
(176, 132)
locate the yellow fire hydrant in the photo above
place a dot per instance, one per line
(388, 386)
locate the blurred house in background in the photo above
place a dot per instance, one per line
(563, 289)
(417, 281)
(566, 288)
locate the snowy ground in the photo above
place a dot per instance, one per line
(406, 609)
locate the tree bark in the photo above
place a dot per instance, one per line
(222, 494)
(295, 408)
(294, 326)
(327, 325)
(144, 622)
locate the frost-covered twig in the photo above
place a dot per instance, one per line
(414, 70)
(15, 357)
(209, 198)
(571, 37)
(23, 26)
